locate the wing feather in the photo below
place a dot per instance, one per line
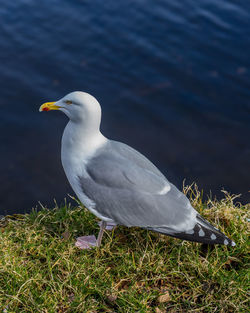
(127, 188)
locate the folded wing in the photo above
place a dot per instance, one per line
(130, 190)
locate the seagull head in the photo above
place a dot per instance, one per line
(78, 106)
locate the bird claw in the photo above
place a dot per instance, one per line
(86, 242)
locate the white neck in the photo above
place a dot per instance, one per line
(80, 142)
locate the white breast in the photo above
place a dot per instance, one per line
(76, 151)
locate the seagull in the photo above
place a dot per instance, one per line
(120, 185)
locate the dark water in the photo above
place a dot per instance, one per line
(173, 79)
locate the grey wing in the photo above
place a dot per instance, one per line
(130, 190)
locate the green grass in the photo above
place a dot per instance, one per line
(42, 271)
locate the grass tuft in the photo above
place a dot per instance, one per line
(134, 270)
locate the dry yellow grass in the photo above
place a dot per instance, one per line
(134, 271)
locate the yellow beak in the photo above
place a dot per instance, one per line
(47, 106)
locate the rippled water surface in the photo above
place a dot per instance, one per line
(172, 77)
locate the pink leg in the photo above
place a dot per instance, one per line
(87, 242)
(99, 238)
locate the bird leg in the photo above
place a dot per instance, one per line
(99, 238)
(87, 242)
(109, 225)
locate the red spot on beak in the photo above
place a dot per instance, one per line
(45, 109)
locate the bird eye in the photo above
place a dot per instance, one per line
(68, 102)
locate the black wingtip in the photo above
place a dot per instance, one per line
(223, 239)
(203, 232)
(204, 235)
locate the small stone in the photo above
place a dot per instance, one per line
(112, 297)
(66, 235)
(164, 298)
